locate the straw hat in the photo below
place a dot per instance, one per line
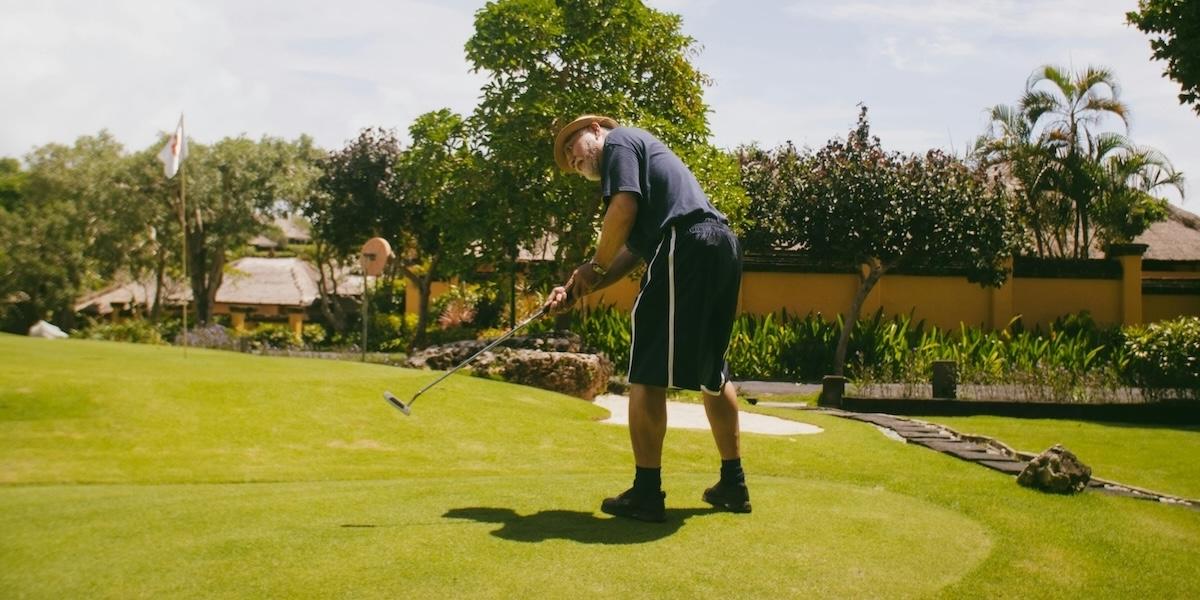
(560, 151)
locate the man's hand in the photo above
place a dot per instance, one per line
(559, 300)
(580, 284)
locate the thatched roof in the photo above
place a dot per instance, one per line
(1177, 238)
(278, 281)
(270, 281)
(140, 293)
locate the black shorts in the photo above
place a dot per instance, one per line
(684, 312)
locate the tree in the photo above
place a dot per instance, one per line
(549, 61)
(434, 220)
(232, 186)
(1125, 176)
(1025, 161)
(1177, 23)
(1052, 150)
(419, 198)
(851, 203)
(64, 233)
(1069, 108)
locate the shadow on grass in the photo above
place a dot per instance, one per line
(573, 525)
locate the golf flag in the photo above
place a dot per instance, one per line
(174, 152)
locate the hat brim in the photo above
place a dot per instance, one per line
(560, 140)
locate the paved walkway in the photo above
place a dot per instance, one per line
(684, 415)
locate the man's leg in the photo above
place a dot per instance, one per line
(645, 501)
(730, 493)
(647, 424)
(722, 414)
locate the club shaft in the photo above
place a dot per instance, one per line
(464, 363)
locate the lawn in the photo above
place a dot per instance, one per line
(132, 471)
(1163, 459)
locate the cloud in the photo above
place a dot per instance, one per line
(260, 68)
(1063, 18)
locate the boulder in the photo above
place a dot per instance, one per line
(446, 356)
(550, 362)
(1056, 470)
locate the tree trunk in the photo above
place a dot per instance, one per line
(160, 271)
(331, 307)
(877, 269)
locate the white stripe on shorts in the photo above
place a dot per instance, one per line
(633, 317)
(671, 313)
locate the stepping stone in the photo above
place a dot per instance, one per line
(925, 437)
(976, 456)
(943, 445)
(1011, 467)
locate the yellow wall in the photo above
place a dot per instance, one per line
(1039, 301)
(1159, 307)
(412, 299)
(943, 301)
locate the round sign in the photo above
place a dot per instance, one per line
(375, 254)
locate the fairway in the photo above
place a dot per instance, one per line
(131, 471)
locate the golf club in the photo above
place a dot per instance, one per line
(407, 408)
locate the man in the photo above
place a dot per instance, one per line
(656, 212)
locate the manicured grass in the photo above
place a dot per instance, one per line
(1160, 458)
(130, 471)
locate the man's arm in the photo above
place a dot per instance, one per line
(613, 258)
(618, 222)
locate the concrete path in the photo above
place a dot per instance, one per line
(684, 415)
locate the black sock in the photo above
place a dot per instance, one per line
(647, 480)
(731, 471)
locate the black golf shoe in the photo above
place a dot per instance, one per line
(733, 497)
(635, 504)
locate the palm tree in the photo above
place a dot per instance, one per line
(1125, 176)
(1065, 110)
(1026, 163)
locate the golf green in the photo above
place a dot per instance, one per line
(496, 536)
(133, 471)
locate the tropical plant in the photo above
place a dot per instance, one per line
(1072, 180)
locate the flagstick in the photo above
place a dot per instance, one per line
(183, 222)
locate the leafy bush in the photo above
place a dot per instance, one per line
(272, 336)
(137, 331)
(390, 332)
(1165, 356)
(313, 335)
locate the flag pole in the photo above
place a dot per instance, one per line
(183, 223)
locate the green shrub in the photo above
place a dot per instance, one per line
(605, 330)
(313, 335)
(137, 331)
(1165, 356)
(390, 332)
(271, 336)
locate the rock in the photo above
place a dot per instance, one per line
(572, 373)
(1056, 470)
(446, 356)
(42, 329)
(535, 361)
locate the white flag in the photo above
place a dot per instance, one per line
(174, 152)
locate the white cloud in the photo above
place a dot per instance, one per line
(256, 68)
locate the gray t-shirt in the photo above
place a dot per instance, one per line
(635, 161)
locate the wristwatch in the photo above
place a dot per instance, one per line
(597, 269)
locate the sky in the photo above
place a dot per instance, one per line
(782, 70)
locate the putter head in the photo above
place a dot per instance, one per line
(394, 401)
